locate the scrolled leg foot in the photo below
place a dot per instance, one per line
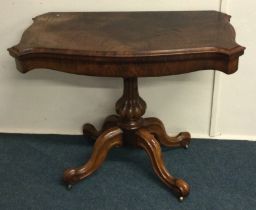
(156, 127)
(148, 142)
(107, 140)
(90, 132)
(109, 122)
(183, 187)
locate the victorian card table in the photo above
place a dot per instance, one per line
(130, 45)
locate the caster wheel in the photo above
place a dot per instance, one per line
(181, 198)
(186, 146)
(69, 186)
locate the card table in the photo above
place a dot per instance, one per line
(130, 45)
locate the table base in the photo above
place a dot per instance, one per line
(128, 128)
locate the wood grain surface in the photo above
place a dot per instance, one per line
(129, 44)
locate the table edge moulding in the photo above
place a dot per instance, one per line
(136, 63)
(130, 45)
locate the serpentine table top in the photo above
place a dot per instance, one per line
(129, 44)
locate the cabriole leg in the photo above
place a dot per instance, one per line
(107, 140)
(148, 142)
(156, 127)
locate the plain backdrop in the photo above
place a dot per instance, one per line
(206, 103)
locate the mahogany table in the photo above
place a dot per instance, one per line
(130, 45)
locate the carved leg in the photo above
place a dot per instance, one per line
(90, 132)
(107, 140)
(152, 147)
(156, 127)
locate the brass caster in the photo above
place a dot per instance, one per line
(69, 186)
(181, 198)
(186, 146)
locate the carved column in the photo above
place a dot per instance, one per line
(130, 106)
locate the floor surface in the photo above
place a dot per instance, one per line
(221, 175)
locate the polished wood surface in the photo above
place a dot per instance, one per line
(156, 127)
(130, 45)
(107, 140)
(129, 128)
(148, 142)
(93, 43)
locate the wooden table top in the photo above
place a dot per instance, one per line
(129, 44)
